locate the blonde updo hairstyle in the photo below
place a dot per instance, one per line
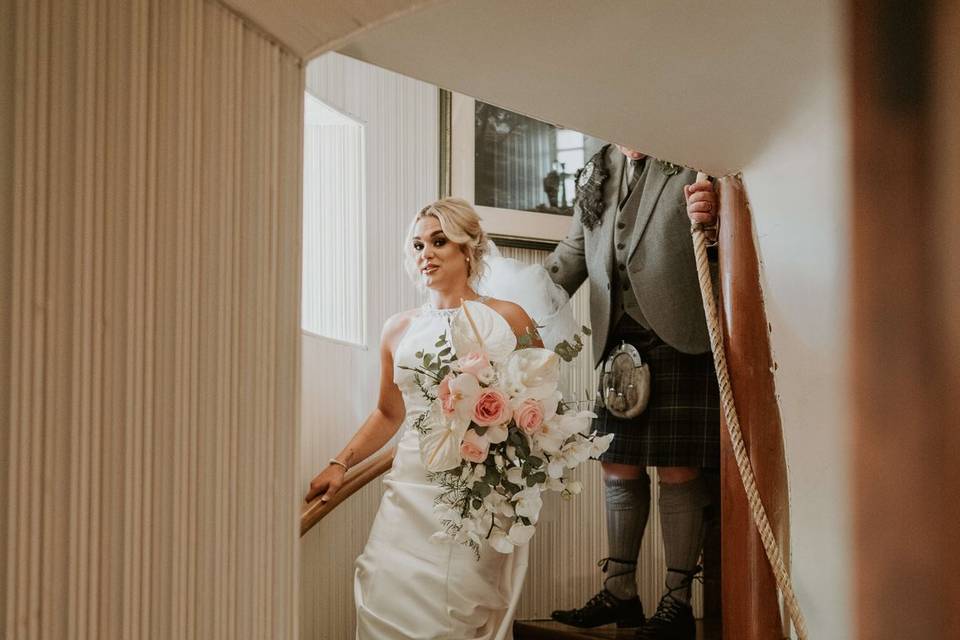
(460, 224)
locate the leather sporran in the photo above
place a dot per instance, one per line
(625, 382)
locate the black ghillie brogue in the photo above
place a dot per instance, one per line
(605, 608)
(673, 619)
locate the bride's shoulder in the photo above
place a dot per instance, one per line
(396, 325)
(513, 313)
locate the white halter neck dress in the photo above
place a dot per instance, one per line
(407, 586)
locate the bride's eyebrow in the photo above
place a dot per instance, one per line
(439, 232)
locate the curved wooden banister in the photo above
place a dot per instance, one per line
(315, 510)
(751, 607)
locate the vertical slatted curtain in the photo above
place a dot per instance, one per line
(153, 372)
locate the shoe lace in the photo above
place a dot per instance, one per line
(604, 564)
(602, 599)
(670, 606)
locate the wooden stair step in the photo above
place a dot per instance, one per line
(550, 630)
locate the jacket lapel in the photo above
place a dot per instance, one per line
(656, 181)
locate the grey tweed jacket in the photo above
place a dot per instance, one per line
(661, 266)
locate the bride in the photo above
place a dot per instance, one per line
(407, 585)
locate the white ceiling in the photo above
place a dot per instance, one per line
(699, 82)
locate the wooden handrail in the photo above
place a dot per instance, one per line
(315, 510)
(751, 607)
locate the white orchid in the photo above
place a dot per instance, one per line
(574, 487)
(556, 466)
(520, 534)
(599, 445)
(555, 484)
(528, 503)
(500, 542)
(458, 394)
(556, 431)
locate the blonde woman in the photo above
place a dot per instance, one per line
(407, 585)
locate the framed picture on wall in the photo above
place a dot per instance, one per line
(519, 172)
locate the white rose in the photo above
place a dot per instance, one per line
(532, 373)
(574, 487)
(515, 475)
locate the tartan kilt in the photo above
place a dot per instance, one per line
(681, 425)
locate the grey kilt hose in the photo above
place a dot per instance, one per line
(681, 425)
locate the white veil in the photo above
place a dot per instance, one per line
(530, 286)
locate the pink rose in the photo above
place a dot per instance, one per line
(529, 416)
(477, 363)
(447, 398)
(491, 408)
(474, 447)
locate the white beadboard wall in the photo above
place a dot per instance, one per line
(150, 374)
(340, 382)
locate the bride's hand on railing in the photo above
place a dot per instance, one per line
(326, 484)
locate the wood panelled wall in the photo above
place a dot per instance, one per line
(153, 380)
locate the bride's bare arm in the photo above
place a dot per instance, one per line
(380, 425)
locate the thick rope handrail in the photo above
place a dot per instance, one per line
(770, 545)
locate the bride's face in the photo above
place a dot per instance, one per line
(440, 261)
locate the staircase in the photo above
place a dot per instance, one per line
(550, 630)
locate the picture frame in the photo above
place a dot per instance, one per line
(513, 227)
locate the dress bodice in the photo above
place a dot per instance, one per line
(421, 335)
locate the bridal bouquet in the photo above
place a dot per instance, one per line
(497, 433)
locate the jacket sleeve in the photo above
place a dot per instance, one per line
(567, 265)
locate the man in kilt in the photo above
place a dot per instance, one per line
(630, 241)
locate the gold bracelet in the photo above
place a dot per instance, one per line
(337, 462)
